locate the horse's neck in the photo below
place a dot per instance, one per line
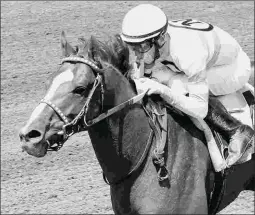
(120, 140)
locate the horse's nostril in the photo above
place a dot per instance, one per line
(29, 135)
(33, 134)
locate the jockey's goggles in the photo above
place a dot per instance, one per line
(143, 47)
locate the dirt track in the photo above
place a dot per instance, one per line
(70, 181)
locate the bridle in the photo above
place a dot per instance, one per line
(71, 127)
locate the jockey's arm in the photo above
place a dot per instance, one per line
(191, 96)
(191, 58)
(194, 102)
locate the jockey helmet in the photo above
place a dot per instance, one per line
(143, 22)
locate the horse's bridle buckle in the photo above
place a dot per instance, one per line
(68, 132)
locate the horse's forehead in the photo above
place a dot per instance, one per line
(61, 78)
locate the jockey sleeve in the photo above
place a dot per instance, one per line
(195, 103)
(190, 55)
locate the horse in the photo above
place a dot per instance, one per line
(91, 81)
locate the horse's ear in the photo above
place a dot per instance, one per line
(67, 49)
(93, 39)
(92, 47)
(93, 52)
(93, 42)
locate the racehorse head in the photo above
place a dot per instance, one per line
(77, 92)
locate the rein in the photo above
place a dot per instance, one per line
(138, 164)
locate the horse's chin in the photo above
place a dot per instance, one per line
(38, 150)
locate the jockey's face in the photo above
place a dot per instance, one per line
(144, 51)
(149, 56)
(163, 43)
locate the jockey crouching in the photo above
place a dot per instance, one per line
(186, 60)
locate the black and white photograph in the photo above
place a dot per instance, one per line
(127, 107)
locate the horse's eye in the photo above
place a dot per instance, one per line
(79, 90)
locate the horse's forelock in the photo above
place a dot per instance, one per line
(120, 53)
(114, 51)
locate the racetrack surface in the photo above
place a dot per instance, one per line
(70, 181)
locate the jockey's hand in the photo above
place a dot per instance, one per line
(149, 85)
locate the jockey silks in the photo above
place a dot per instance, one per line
(215, 51)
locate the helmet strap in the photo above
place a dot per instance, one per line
(156, 56)
(157, 46)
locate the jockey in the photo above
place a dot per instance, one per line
(185, 61)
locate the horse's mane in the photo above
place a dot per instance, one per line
(114, 52)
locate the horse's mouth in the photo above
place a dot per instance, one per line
(40, 149)
(55, 142)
